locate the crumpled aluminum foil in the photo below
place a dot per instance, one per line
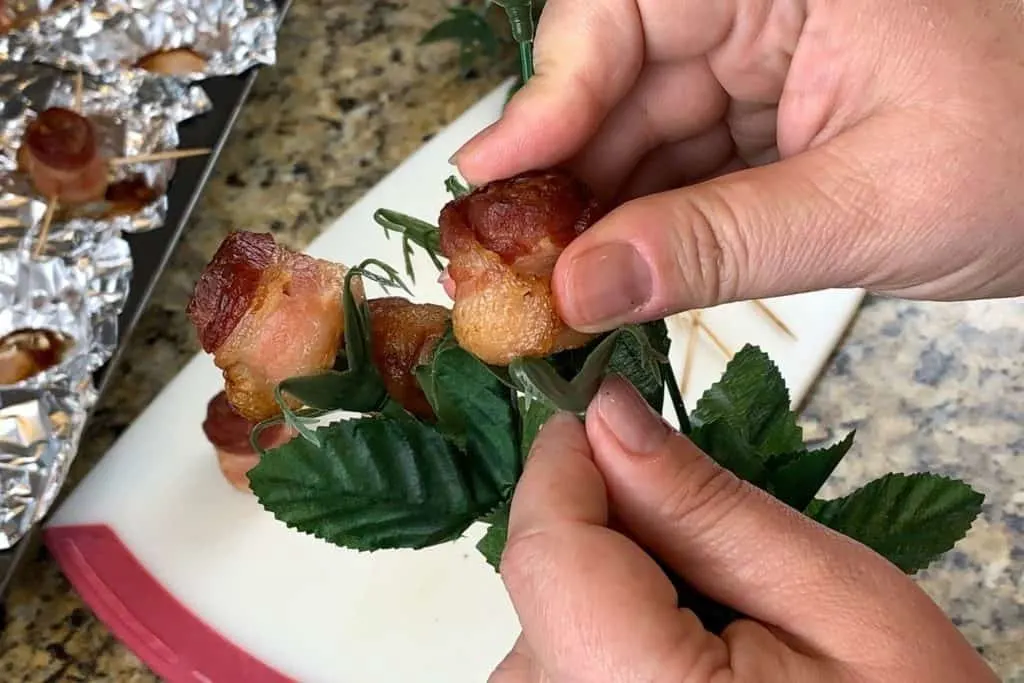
(104, 36)
(135, 114)
(78, 284)
(41, 418)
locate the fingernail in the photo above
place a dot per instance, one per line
(550, 428)
(638, 429)
(605, 284)
(476, 139)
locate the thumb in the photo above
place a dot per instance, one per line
(744, 549)
(802, 224)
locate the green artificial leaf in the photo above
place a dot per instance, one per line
(909, 519)
(724, 444)
(492, 545)
(540, 380)
(640, 361)
(357, 387)
(752, 398)
(356, 392)
(534, 415)
(470, 30)
(795, 478)
(475, 410)
(373, 483)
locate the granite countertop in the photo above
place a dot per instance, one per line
(936, 387)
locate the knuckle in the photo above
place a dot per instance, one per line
(701, 494)
(525, 557)
(708, 247)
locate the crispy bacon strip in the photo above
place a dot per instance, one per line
(403, 335)
(229, 433)
(61, 156)
(266, 313)
(502, 242)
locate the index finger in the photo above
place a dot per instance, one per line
(587, 56)
(592, 604)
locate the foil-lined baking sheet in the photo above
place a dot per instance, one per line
(106, 36)
(65, 271)
(134, 115)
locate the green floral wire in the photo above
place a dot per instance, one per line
(520, 18)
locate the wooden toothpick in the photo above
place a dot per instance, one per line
(691, 348)
(770, 314)
(714, 338)
(158, 156)
(44, 229)
(79, 90)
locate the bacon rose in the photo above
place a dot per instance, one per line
(403, 335)
(502, 241)
(229, 433)
(267, 313)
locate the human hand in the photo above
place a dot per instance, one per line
(595, 607)
(896, 124)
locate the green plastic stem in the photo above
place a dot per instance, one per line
(520, 18)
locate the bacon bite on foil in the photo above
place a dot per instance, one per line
(60, 153)
(502, 241)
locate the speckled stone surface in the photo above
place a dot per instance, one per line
(936, 387)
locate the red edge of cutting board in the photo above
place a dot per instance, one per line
(142, 613)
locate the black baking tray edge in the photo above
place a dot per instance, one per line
(152, 250)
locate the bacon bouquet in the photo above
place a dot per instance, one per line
(446, 403)
(268, 314)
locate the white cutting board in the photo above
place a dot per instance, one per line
(309, 610)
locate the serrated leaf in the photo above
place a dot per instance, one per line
(639, 361)
(726, 446)
(474, 408)
(795, 478)
(372, 484)
(471, 31)
(909, 519)
(331, 390)
(492, 545)
(752, 398)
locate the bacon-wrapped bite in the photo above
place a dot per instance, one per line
(502, 241)
(266, 313)
(229, 433)
(6, 20)
(128, 196)
(180, 61)
(403, 335)
(60, 153)
(27, 352)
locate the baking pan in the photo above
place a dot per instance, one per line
(151, 250)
